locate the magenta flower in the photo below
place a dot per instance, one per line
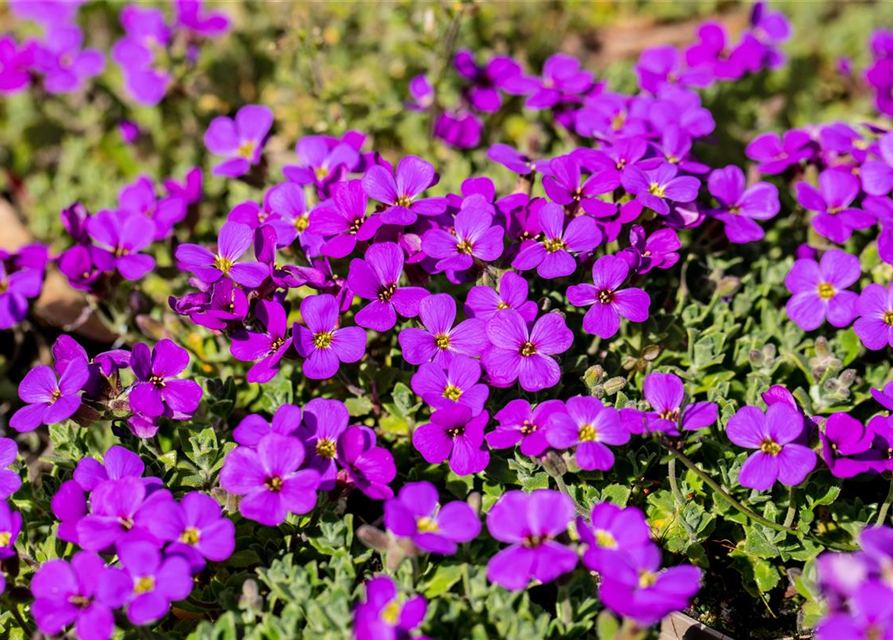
(233, 241)
(519, 422)
(847, 446)
(416, 513)
(590, 427)
(385, 615)
(656, 187)
(156, 391)
(611, 530)
(84, 593)
(69, 505)
(286, 211)
(48, 400)
(9, 479)
(192, 16)
(15, 290)
(483, 302)
(240, 140)
(64, 65)
(399, 195)
(440, 340)
(512, 159)
(609, 303)
(775, 154)
(454, 434)
(227, 306)
(740, 207)
(377, 278)
(870, 614)
(551, 256)
(563, 186)
(636, 587)
(115, 513)
(460, 129)
(877, 175)
(773, 434)
(195, 528)
(368, 467)
(474, 237)
(562, 74)
(323, 346)
(268, 346)
(441, 388)
(666, 394)
(422, 94)
(819, 290)
(519, 353)
(530, 523)
(146, 32)
(875, 323)
(322, 161)
(269, 480)
(15, 62)
(10, 527)
(324, 422)
(140, 198)
(835, 219)
(253, 427)
(155, 581)
(655, 251)
(342, 221)
(119, 239)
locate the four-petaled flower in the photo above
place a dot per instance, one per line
(399, 194)
(552, 255)
(607, 300)
(240, 140)
(819, 290)
(440, 341)
(324, 346)
(377, 278)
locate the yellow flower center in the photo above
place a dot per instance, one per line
(55, 395)
(246, 149)
(157, 381)
(274, 484)
(190, 536)
(605, 539)
(670, 414)
(527, 427)
(527, 349)
(647, 579)
(554, 244)
(302, 222)
(223, 263)
(452, 392)
(79, 601)
(322, 340)
(657, 190)
(144, 584)
(325, 448)
(427, 525)
(385, 293)
(618, 120)
(5, 538)
(503, 305)
(391, 613)
(455, 432)
(533, 541)
(888, 317)
(770, 447)
(403, 201)
(588, 433)
(465, 247)
(606, 296)
(442, 341)
(321, 173)
(826, 291)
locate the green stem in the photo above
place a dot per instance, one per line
(25, 627)
(710, 482)
(564, 604)
(885, 508)
(792, 508)
(563, 489)
(674, 483)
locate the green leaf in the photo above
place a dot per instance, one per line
(445, 576)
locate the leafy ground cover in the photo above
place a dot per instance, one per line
(460, 319)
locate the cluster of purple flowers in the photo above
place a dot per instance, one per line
(21, 279)
(615, 543)
(385, 614)
(86, 389)
(10, 520)
(279, 466)
(110, 509)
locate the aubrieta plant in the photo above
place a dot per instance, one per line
(541, 355)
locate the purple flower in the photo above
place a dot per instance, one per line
(590, 427)
(228, 304)
(836, 219)
(84, 593)
(666, 393)
(117, 463)
(69, 505)
(870, 615)
(885, 396)
(877, 175)
(195, 528)
(775, 154)
(636, 587)
(156, 391)
(253, 427)
(772, 434)
(240, 140)
(847, 446)
(15, 62)
(422, 94)
(155, 582)
(530, 523)
(454, 434)
(654, 188)
(9, 480)
(399, 194)
(561, 75)
(551, 256)
(441, 388)
(519, 353)
(519, 422)
(322, 345)
(48, 400)
(192, 16)
(473, 237)
(611, 530)
(321, 161)
(64, 65)
(233, 241)
(655, 251)
(875, 323)
(15, 289)
(342, 221)
(115, 514)
(485, 79)
(10, 526)
(368, 467)
(146, 32)
(139, 198)
(440, 341)
(511, 159)
(324, 422)
(562, 184)
(740, 207)
(461, 129)
(609, 303)
(268, 346)
(377, 278)
(416, 513)
(384, 615)
(819, 290)
(483, 302)
(269, 481)
(119, 239)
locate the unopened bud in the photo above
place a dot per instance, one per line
(373, 538)
(593, 376)
(727, 286)
(614, 385)
(474, 501)
(554, 464)
(847, 377)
